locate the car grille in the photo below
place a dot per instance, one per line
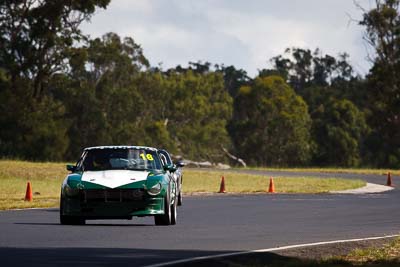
(112, 195)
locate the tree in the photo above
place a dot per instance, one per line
(199, 110)
(35, 36)
(299, 70)
(38, 135)
(272, 125)
(339, 130)
(35, 39)
(329, 86)
(233, 78)
(111, 97)
(302, 68)
(102, 93)
(382, 25)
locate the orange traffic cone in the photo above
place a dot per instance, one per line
(222, 186)
(28, 194)
(271, 188)
(389, 180)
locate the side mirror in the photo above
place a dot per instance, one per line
(180, 164)
(71, 168)
(170, 168)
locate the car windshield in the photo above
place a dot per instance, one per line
(120, 159)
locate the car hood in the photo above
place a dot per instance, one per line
(114, 178)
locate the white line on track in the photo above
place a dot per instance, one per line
(267, 250)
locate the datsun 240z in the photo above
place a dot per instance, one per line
(119, 182)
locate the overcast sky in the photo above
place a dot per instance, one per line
(243, 33)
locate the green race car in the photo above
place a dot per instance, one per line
(119, 182)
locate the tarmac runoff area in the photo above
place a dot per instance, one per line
(370, 188)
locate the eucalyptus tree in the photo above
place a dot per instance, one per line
(382, 24)
(35, 36)
(272, 125)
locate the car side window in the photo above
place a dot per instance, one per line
(168, 159)
(163, 160)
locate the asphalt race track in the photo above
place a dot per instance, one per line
(206, 226)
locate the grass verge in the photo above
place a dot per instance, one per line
(203, 182)
(46, 179)
(389, 253)
(378, 255)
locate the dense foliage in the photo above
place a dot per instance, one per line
(271, 124)
(61, 91)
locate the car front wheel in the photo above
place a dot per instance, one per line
(69, 220)
(169, 212)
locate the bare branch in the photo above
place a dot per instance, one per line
(236, 159)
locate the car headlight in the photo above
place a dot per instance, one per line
(154, 190)
(71, 192)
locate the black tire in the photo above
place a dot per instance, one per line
(69, 220)
(180, 199)
(174, 211)
(164, 219)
